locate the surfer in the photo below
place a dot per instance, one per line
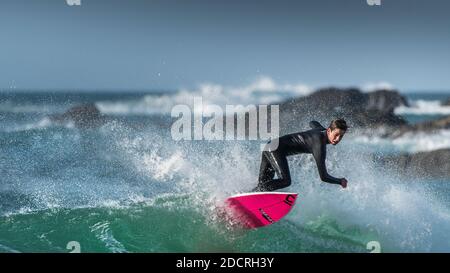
(313, 142)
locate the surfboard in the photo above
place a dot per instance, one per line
(259, 209)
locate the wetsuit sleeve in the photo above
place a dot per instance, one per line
(316, 125)
(319, 153)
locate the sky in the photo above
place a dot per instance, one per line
(167, 45)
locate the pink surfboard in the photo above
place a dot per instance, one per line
(259, 209)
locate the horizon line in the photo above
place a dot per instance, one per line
(169, 90)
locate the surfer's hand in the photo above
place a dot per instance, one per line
(344, 183)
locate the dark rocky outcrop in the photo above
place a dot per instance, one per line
(426, 126)
(359, 109)
(384, 101)
(83, 116)
(446, 102)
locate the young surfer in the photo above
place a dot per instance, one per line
(314, 141)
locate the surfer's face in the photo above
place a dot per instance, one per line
(335, 136)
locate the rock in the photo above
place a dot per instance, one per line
(359, 109)
(433, 164)
(426, 126)
(446, 102)
(86, 115)
(385, 101)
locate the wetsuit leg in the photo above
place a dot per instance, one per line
(266, 171)
(271, 163)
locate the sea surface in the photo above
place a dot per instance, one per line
(126, 186)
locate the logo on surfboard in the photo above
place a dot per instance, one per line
(290, 199)
(266, 216)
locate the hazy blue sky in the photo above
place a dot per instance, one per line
(131, 44)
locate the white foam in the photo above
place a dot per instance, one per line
(423, 107)
(41, 124)
(104, 233)
(263, 90)
(4, 248)
(9, 106)
(161, 168)
(418, 142)
(411, 142)
(401, 215)
(373, 86)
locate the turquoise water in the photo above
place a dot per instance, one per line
(147, 228)
(126, 186)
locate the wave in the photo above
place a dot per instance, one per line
(7, 249)
(423, 107)
(7, 106)
(104, 233)
(116, 166)
(262, 91)
(40, 124)
(376, 205)
(373, 86)
(409, 142)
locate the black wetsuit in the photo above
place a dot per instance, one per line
(313, 142)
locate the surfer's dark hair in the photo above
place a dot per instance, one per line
(339, 124)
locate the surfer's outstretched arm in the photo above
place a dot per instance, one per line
(319, 153)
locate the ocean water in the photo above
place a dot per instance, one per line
(425, 106)
(126, 186)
